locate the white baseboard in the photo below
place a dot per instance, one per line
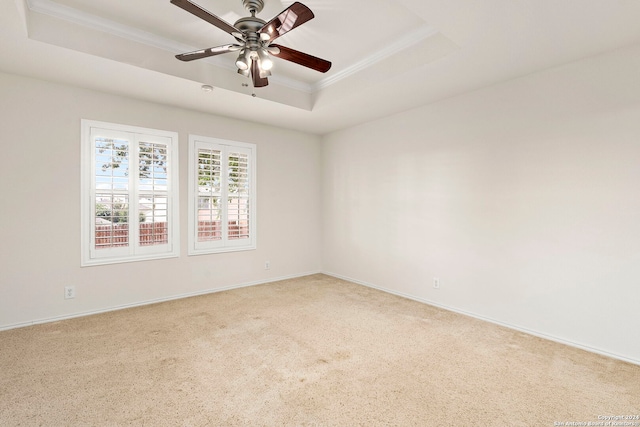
(488, 319)
(153, 301)
(338, 276)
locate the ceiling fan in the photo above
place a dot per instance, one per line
(254, 39)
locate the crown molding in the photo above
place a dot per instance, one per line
(405, 42)
(56, 10)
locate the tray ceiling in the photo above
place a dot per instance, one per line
(387, 56)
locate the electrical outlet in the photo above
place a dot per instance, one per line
(267, 265)
(69, 292)
(436, 283)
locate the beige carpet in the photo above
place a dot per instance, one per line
(314, 351)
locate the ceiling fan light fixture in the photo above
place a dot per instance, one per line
(273, 50)
(244, 72)
(264, 73)
(244, 60)
(265, 62)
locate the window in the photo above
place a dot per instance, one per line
(129, 193)
(222, 201)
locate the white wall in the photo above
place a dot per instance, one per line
(40, 200)
(523, 198)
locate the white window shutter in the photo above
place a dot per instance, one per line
(129, 199)
(222, 195)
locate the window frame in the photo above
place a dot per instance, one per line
(197, 142)
(134, 251)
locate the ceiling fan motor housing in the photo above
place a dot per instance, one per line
(250, 24)
(250, 27)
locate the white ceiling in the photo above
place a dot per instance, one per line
(388, 55)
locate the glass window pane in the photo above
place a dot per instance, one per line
(238, 215)
(112, 221)
(153, 202)
(209, 171)
(209, 219)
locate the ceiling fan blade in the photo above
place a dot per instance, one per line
(205, 53)
(301, 58)
(255, 75)
(201, 13)
(290, 18)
